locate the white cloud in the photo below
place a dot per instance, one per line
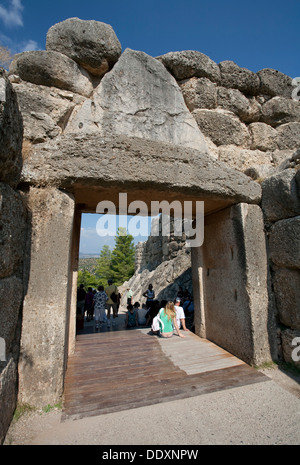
(12, 15)
(29, 46)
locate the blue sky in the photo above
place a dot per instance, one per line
(255, 35)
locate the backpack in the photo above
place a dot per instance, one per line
(114, 296)
(155, 323)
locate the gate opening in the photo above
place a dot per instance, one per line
(105, 241)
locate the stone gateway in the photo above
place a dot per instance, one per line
(82, 122)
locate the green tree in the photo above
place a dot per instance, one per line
(87, 279)
(122, 257)
(103, 270)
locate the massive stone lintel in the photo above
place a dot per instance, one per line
(92, 166)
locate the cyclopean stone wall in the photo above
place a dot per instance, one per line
(179, 126)
(13, 229)
(281, 207)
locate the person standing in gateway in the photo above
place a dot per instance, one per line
(112, 294)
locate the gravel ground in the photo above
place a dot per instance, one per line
(265, 413)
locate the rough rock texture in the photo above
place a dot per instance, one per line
(46, 304)
(11, 133)
(190, 63)
(199, 93)
(280, 110)
(138, 98)
(280, 201)
(13, 229)
(263, 137)
(163, 261)
(280, 196)
(45, 110)
(286, 287)
(92, 44)
(284, 241)
(48, 68)
(233, 76)
(233, 277)
(264, 97)
(92, 161)
(288, 136)
(273, 82)
(222, 127)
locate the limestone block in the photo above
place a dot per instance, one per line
(244, 159)
(284, 243)
(45, 110)
(286, 284)
(263, 137)
(280, 196)
(280, 110)
(280, 156)
(290, 350)
(199, 93)
(45, 309)
(12, 230)
(92, 44)
(275, 83)
(138, 97)
(260, 172)
(91, 161)
(11, 297)
(48, 68)
(222, 127)
(11, 133)
(190, 63)
(233, 76)
(288, 136)
(233, 100)
(234, 282)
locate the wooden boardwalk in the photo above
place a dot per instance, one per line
(120, 370)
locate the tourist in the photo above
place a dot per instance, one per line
(100, 299)
(150, 295)
(112, 294)
(81, 293)
(168, 321)
(141, 313)
(188, 306)
(180, 316)
(131, 319)
(89, 304)
(129, 296)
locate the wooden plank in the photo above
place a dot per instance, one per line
(118, 370)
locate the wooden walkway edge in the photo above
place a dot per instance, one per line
(120, 370)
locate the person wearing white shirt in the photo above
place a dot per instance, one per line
(180, 316)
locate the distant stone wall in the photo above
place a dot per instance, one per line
(12, 244)
(164, 262)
